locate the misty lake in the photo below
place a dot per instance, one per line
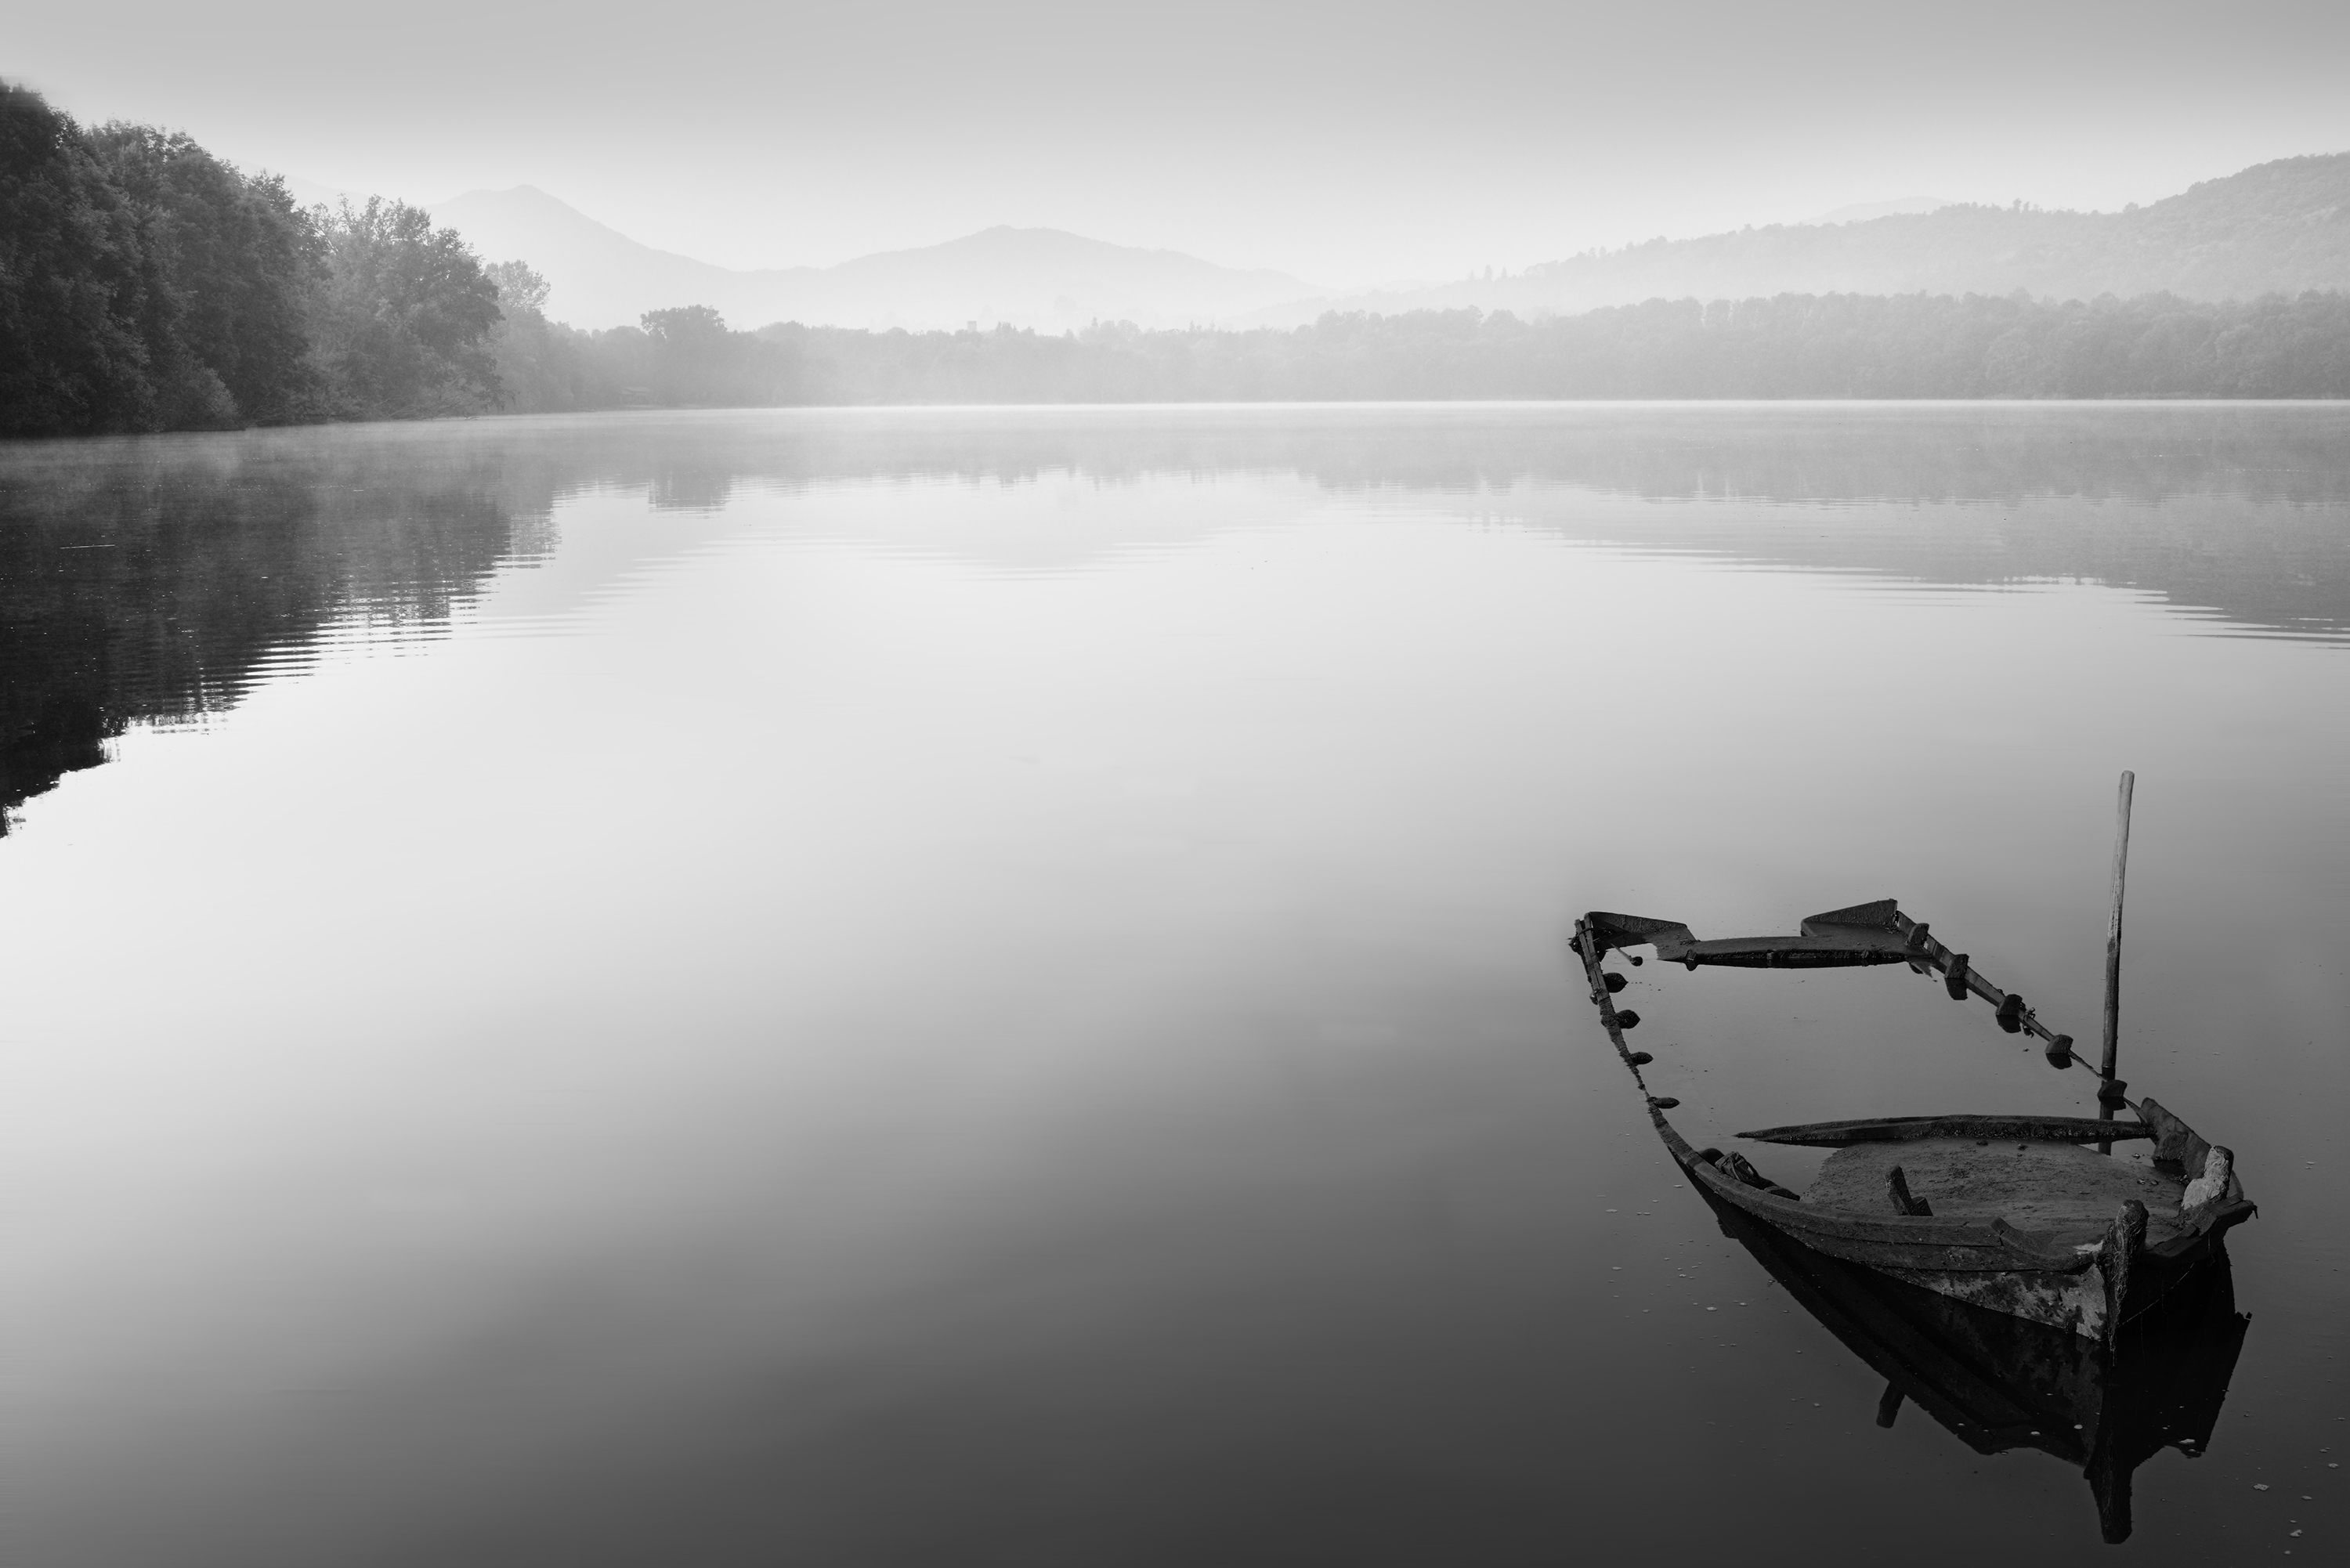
(989, 986)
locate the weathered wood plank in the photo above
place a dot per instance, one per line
(1843, 949)
(1962, 1245)
(1904, 1129)
(2177, 1143)
(1881, 914)
(1897, 1188)
(1612, 930)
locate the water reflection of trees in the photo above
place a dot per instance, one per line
(2242, 513)
(148, 581)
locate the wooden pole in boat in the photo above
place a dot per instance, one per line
(2105, 1090)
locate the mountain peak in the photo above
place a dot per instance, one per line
(2280, 227)
(1898, 206)
(1037, 277)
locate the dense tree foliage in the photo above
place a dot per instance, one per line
(1801, 346)
(403, 318)
(681, 357)
(536, 362)
(233, 262)
(146, 284)
(73, 283)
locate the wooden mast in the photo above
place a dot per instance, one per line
(2110, 1090)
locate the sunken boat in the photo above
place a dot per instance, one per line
(2002, 1385)
(2019, 1214)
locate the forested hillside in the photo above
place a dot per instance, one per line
(1837, 346)
(1044, 278)
(145, 284)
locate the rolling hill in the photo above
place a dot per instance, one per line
(1031, 277)
(2276, 228)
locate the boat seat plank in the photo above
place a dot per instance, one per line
(1831, 949)
(1902, 1130)
(1879, 915)
(2057, 1189)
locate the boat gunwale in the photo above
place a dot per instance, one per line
(1949, 1244)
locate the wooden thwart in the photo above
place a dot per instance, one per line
(1904, 1129)
(1897, 1186)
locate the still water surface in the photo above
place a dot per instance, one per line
(915, 986)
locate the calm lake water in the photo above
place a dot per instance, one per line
(989, 987)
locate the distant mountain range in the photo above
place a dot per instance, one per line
(2279, 227)
(1029, 277)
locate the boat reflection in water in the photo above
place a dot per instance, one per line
(2000, 1382)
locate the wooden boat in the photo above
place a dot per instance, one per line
(2000, 1383)
(2021, 1214)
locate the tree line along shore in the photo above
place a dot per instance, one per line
(146, 284)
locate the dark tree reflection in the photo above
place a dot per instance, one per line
(148, 580)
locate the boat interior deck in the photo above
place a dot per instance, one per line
(2036, 1185)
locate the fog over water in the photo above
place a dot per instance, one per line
(914, 985)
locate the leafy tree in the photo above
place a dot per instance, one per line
(542, 366)
(693, 357)
(521, 291)
(690, 357)
(401, 320)
(73, 283)
(237, 260)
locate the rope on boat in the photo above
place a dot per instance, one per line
(1605, 1003)
(1614, 1022)
(1960, 974)
(1957, 970)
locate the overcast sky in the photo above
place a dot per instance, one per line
(1347, 144)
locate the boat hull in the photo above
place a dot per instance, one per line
(2073, 1302)
(2084, 1274)
(2056, 1279)
(2002, 1383)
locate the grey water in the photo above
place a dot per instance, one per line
(955, 986)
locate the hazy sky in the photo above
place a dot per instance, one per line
(1348, 143)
